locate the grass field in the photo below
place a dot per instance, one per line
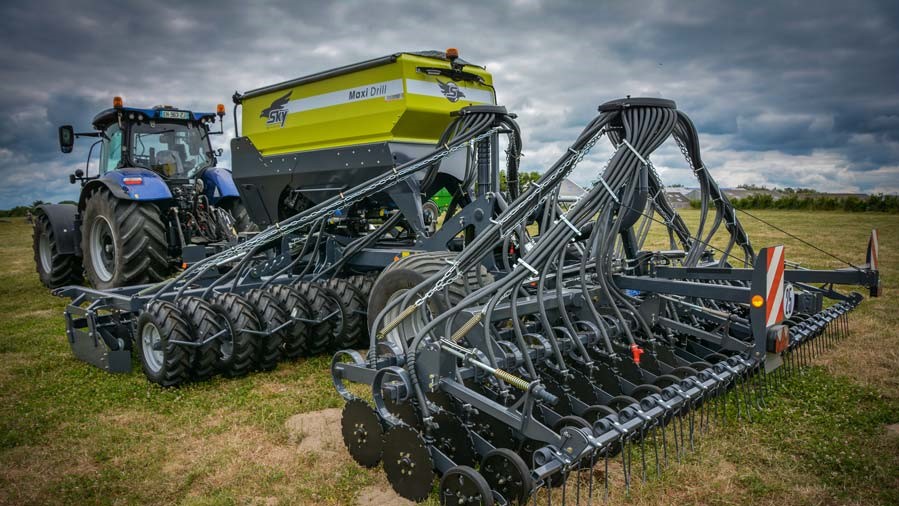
(72, 434)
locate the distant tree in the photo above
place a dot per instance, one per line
(16, 212)
(37, 203)
(68, 202)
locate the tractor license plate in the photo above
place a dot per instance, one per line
(174, 114)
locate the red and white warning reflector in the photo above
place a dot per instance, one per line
(778, 338)
(774, 287)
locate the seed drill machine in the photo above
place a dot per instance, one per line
(516, 348)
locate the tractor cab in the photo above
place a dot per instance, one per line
(156, 202)
(170, 142)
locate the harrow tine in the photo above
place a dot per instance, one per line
(692, 411)
(626, 465)
(655, 449)
(643, 455)
(605, 476)
(759, 390)
(664, 445)
(592, 476)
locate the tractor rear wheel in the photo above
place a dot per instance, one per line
(164, 362)
(54, 268)
(123, 242)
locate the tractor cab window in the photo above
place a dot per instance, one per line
(170, 149)
(111, 150)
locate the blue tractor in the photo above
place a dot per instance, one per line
(157, 203)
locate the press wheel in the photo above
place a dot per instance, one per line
(463, 485)
(507, 474)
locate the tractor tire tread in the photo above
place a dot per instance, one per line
(294, 344)
(240, 316)
(64, 269)
(205, 323)
(172, 325)
(271, 315)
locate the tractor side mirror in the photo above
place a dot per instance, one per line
(66, 138)
(77, 176)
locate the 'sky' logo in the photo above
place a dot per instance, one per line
(450, 90)
(276, 114)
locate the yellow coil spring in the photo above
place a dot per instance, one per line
(396, 321)
(466, 328)
(511, 379)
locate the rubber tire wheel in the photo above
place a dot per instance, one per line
(238, 315)
(64, 269)
(139, 236)
(620, 402)
(666, 380)
(432, 262)
(171, 323)
(474, 479)
(354, 333)
(596, 412)
(321, 305)
(645, 390)
(242, 221)
(205, 323)
(408, 272)
(363, 283)
(431, 207)
(271, 315)
(294, 342)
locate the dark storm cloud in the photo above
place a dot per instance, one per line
(784, 93)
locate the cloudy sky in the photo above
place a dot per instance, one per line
(786, 94)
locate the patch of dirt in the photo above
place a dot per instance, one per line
(316, 432)
(376, 495)
(253, 446)
(30, 468)
(893, 430)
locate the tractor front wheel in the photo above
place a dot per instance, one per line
(123, 242)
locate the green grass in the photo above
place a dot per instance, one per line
(72, 434)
